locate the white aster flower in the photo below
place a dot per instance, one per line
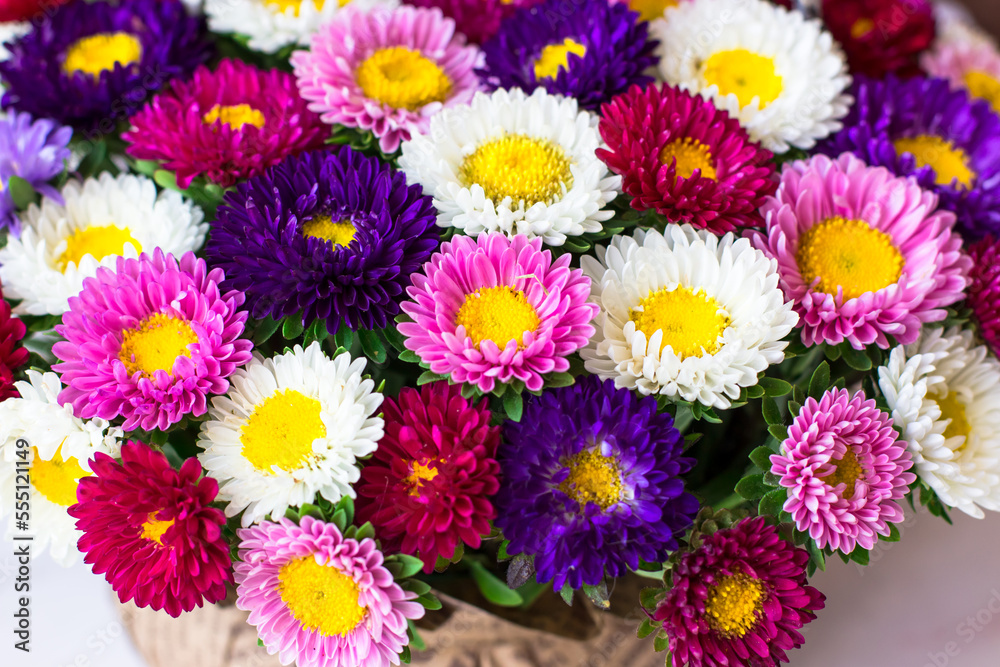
(687, 315)
(290, 427)
(944, 393)
(103, 218)
(272, 25)
(59, 447)
(778, 72)
(514, 163)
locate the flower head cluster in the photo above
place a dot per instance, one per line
(34, 151)
(881, 36)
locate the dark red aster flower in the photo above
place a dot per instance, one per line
(12, 355)
(25, 10)
(680, 155)
(984, 290)
(881, 36)
(427, 488)
(149, 529)
(739, 599)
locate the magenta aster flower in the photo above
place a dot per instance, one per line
(226, 124)
(844, 471)
(387, 70)
(862, 254)
(686, 159)
(150, 530)
(427, 488)
(319, 599)
(984, 290)
(149, 341)
(739, 599)
(476, 19)
(494, 309)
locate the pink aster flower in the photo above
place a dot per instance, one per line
(150, 341)
(227, 124)
(969, 65)
(387, 70)
(861, 253)
(844, 470)
(319, 599)
(150, 530)
(494, 309)
(984, 290)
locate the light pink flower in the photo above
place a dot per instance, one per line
(844, 470)
(960, 61)
(328, 72)
(934, 272)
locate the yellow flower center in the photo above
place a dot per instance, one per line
(153, 529)
(101, 52)
(593, 478)
(690, 154)
(953, 408)
(862, 27)
(555, 57)
(98, 241)
(420, 472)
(734, 604)
(847, 471)
(519, 167)
(984, 86)
(402, 78)
(234, 115)
(948, 162)
(849, 254)
(744, 74)
(156, 344)
(320, 597)
(57, 478)
(281, 6)
(500, 314)
(651, 9)
(691, 321)
(323, 227)
(281, 430)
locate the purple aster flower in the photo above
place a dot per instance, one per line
(591, 483)
(334, 236)
(34, 151)
(585, 49)
(922, 127)
(92, 64)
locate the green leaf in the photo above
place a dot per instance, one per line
(339, 519)
(492, 588)
(404, 655)
(598, 595)
(772, 413)
(145, 167)
(775, 386)
(893, 535)
(21, 192)
(648, 596)
(315, 332)
(410, 565)
(513, 405)
(311, 510)
(427, 377)
(820, 380)
(396, 339)
(372, 345)
(430, 602)
(344, 337)
(816, 556)
(502, 554)
(264, 330)
(566, 593)
(772, 502)
(860, 556)
(559, 380)
(661, 642)
(752, 487)
(646, 628)
(367, 530)
(416, 586)
(90, 165)
(761, 457)
(416, 641)
(292, 327)
(856, 359)
(832, 351)
(409, 356)
(755, 391)
(779, 431)
(165, 179)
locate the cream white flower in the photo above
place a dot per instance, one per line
(687, 315)
(778, 72)
(272, 25)
(36, 430)
(514, 163)
(290, 427)
(944, 394)
(103, 218)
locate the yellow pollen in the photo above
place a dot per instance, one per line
(282, 6)
(948, 162)
(690, 154)
(281, 430)
(691, 321)
(323, 227)
(320, 597)
(953, 408)
(862, 27)
(519, 167)
(402, 78)
(101, 52)
(98, 241)
(744, 74)
(420, 472)
(651, 9)
(234, 115)
(153, 529)
(849, 254)
(555, 57)
(593, 478)
(984, 86)
(500, 314)
(847, 471)
(57, 478)
(734, 604)
(156, 344)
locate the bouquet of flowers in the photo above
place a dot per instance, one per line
(318, 303)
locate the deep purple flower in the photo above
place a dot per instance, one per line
(585, 49)
(591, 483)
(334, 236)
(34, 151)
